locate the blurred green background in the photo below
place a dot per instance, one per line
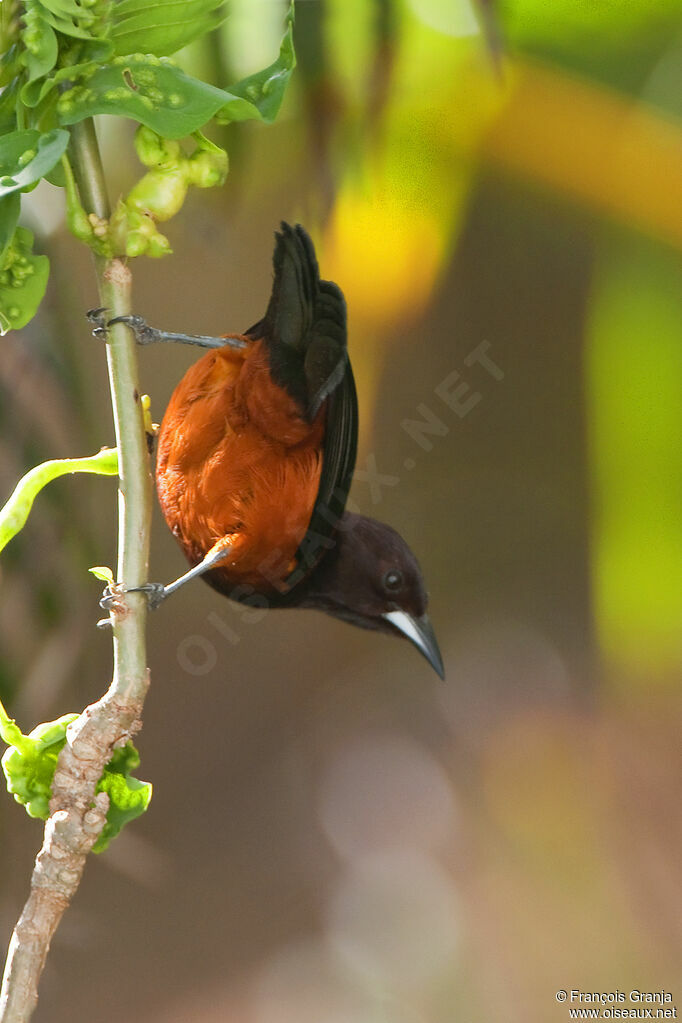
(335, 836)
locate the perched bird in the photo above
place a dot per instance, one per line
(255, 459)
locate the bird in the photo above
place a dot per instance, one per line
(255, 459)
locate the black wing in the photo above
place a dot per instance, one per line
(338, 463)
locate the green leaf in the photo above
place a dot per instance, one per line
(8, 106)
(9, 25)
(260, 95)
(104, 573)
(71, 18)
(40, 53)
(15, 513)
(57, 176)
(96, 51)
(163, 27)
(26, 156)
(23, 279)
(10, 731)
(10, 207)
(159, 95)
(30, 761)
(65, 8)
(148, 89)
(29, 765)
(68, 28)
(128, 797)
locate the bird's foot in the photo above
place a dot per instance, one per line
(146, 335)
(99, 324)
(111, 598)
(156, 593)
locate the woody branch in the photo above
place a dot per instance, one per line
(77, 814)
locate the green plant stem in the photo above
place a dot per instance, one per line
(135, 483)
(77, 814)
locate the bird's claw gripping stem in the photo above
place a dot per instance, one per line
(99, 323)
(146, 335)
(156, 594)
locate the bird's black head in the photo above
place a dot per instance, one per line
(372, 579)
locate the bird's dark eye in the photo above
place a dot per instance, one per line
(393, 581)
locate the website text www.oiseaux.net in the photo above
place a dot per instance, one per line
(608, 1005)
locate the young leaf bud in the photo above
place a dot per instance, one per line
(160, 193)
(154, 151)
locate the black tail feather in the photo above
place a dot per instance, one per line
(305, 323)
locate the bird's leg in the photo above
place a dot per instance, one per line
(146, 335)
(157, 592)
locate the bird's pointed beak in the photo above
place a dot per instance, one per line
(420, 632)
